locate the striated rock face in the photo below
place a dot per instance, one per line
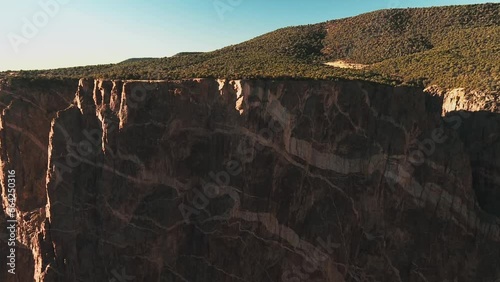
(215, 180)
(460, 99)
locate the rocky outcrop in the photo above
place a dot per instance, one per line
(249, 180)
(460, 99)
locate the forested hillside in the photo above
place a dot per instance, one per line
(454, 46)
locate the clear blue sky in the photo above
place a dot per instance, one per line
(85, 32)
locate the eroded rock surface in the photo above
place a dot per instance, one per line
(460, 99)
(249, 180)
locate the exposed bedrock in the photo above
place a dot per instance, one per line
(249, 180)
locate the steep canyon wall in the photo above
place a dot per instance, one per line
(247, 180)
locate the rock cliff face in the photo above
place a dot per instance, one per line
(215, 180)
(460, 99)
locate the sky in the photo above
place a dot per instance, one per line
(43, 34)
